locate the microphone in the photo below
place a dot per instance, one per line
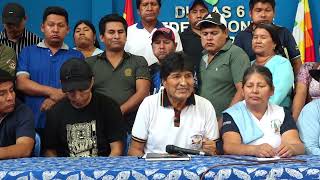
(172, 149)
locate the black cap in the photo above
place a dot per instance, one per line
(214, 18)
(194, 2)
(6, 76)
(315, 74)
(75, 74)
(13, 13)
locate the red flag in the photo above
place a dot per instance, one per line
(128, 12)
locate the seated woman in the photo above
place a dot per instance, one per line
(306, 88)
(256, 127)
(267, 47)
(309, 122)
(84, 36)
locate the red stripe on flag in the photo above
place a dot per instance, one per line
(128, 12)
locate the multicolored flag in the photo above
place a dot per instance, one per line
(128, 12)
(303, 33)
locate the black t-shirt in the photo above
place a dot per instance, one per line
(86, 131)
(191, 43)
(230, 125)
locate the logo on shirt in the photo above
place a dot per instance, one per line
(82, 139)
(128, 72)
(275, 125)
(12, 64)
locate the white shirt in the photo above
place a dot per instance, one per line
(154, 124)
(139, 41)
(270, 125)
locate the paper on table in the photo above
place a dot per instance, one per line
(268, 159)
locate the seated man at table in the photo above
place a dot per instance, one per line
(175, 116)
(16, 122)
(84, 123)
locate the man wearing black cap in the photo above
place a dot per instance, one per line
(190, 38)
(15, 35)
(16, 122)
(222, 65)
(84, 123)
(175, 116)
(163, 44)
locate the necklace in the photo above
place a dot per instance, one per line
(265, 61)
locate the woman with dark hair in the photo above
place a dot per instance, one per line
(255, 126)
(84, 35)
(267, 47)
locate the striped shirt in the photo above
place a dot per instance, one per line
(27, 39)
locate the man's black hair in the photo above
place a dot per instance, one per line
(253, 2)
(111, 18)
(138, 2)
(55, 10)
(175, 62)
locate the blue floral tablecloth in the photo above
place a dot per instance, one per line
(134, 168)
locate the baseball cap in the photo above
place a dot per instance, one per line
(75, 74)
(214, 18)
(166, 32)
(12, 13)
(315, 74)
(194, 2)
(6, 76)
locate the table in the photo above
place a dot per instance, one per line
(134, 168)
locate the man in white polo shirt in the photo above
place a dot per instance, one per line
(139, 34)
(175, 116)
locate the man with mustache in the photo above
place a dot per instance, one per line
(139, 34)
(222, 65)
(39, 65)
(16, 122)
(263, 11)
(15, 34)
(118, 74)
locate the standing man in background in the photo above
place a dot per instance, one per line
(118, 74)
(39, 65)
(139, 34)
(190, 38)
(15, 34)
(163, 44)
(222, 66)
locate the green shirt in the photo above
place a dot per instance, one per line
(8, 60)
(218, 78)
(118, 83)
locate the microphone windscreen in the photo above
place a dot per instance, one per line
(170, 149)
